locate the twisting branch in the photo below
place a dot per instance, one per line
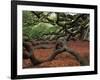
(35, 60)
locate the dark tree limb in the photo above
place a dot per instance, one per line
(76, 55)
(55, 53)
(43, 47)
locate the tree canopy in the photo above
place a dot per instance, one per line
(53, 25)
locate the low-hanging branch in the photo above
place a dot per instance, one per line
(34, 43)
(43, 47)
(36, 61)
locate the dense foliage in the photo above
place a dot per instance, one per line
(53, 25)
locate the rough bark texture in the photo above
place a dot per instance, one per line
(51, 57)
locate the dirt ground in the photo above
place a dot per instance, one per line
(62, 59)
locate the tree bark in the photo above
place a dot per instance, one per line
(55, 53)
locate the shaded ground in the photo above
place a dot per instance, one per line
(61, 59)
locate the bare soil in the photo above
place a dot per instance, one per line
(63, 59)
